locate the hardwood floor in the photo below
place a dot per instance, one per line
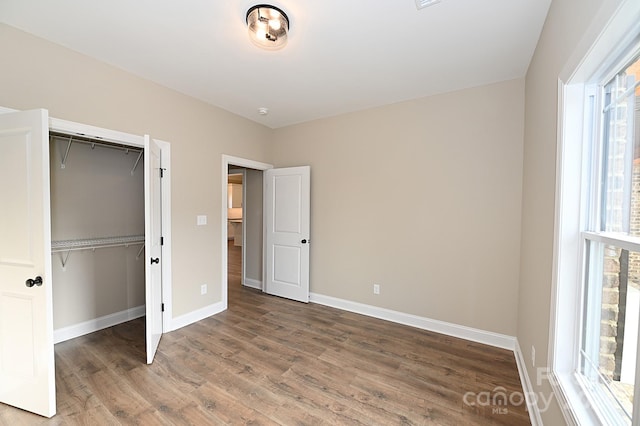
(268, 360)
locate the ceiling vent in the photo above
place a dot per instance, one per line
(421, 4)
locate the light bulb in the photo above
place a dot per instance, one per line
(274, 24)
(261, 30)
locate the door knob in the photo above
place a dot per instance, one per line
(156, 260)
(37, 281)
(304, 241)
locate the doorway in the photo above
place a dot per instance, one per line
(236, 207)
(242, 251)
(284, 265)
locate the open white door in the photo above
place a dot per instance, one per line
(153, 245)
(27, 369)
(287, 209)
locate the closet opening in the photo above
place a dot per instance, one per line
(95, 220)
(98, 236)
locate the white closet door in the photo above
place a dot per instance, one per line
(153, 248)
(287, 211)
(27, 369)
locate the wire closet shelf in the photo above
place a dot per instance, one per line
(68, 246)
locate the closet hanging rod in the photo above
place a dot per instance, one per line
(66, 258)
(93, 142)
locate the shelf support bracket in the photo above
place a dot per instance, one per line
(65, 259)
(140, 252)
(66, 153)
(137, 161)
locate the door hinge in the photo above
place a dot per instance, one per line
(161, 241)
(163, 307)
(162, 172)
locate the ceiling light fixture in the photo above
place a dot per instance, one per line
(268, 26)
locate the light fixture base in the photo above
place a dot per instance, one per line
(268, 26)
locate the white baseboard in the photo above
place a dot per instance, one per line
(195, 316)
(455, 330)
(529, 392)
(249, 282)
(77, 330)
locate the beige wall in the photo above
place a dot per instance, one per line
(39, 74)
(421, 197)
(427, 198)
(442, 241)
(569, 30)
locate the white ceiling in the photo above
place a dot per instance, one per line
(342, 56)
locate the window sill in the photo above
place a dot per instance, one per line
(576, 405)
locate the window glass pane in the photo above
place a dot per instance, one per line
(621, 153)
(610, 332)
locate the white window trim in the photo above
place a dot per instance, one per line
(568, 260)
(568, 265)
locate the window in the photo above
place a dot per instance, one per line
(597, 310)
(611, 295)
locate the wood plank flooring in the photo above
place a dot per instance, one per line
(273, 361)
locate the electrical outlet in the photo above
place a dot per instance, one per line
(376, 289)
(203, 289)
(201, 220)
(533, 355)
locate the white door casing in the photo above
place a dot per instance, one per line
(27, 367)
(287, 221)
(153, 247)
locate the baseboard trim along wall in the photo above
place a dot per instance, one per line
(468, 333)
(248, 282)
(195, 316)
(529, 393)
(454, 330)
(77, 330)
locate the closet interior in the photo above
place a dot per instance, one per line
(97, 233)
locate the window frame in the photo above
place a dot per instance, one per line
(619, 41)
